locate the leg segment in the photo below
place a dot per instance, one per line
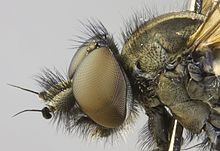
(198, 6)
(192, 114)
(178, 137)
(160, 124)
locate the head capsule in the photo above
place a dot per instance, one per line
(99, 84)
(96, 98)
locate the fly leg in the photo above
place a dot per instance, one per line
(160, 124)
(177, 136)
(207, 61)
(192, 114)
(213, 135)
(198, 6)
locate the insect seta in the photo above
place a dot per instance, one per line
(169, 66)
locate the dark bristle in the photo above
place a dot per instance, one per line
(95, 30)
(52, 81)
(189, 137)
(75, 121)
(145, 139)
(204, 142)
(139, 18)
(49, 78)
(71, 119)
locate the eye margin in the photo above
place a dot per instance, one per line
(94, 30)
(95, 35)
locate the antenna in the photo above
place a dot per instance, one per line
(28, 90)
(45, 112)
(29, 110)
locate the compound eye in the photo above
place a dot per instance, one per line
(46, 113)
(100, 88)
(79, 56)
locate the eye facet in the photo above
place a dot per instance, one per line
(100, 88)
(79, 56)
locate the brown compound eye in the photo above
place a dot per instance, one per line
(100, 88)
(79, 56)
